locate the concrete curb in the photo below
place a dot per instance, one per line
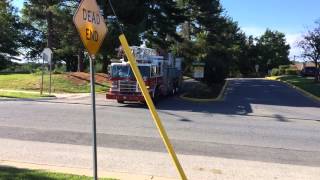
(79, 171)
(303, 92)
(219, 98)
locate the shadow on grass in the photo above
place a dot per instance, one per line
(84, 79)
(9, 173)
(12, 73)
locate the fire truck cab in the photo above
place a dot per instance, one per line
(161, 76)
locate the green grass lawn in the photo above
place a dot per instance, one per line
(304, 83)
(9, 173)
(27, 95)
(60, 83)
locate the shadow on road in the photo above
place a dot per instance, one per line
(241, 94)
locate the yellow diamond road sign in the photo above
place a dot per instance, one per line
(90, 25)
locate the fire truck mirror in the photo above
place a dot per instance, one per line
(154, 71)
(109, 69)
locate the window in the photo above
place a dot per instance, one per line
(124, 71)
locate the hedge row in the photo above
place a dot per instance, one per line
(284, 70)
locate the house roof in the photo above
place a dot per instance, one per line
(300, 65)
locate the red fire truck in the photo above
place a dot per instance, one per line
(162, 76)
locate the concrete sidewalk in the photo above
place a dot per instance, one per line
(133, 164)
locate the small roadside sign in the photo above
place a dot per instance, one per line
(90, 25)
(47, 55)
(198, 70)
(257, 68)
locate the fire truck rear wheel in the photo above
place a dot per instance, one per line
(120, 101)
(176, 90)
(173, 91)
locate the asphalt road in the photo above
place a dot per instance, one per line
(259, 120)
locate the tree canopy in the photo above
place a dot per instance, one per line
(10, 33)
(198, 30)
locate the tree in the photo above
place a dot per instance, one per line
(247, 56)
(152, 22)
(69, 47)
(201, 32)
(225, 41)
(131, 15)
(38, 14)
(272, 50)
(51, 22)
(10, 34)
(311, 47)
(162, 20)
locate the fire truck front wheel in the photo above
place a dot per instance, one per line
(175, 90)
(156, 96)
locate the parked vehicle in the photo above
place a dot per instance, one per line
(309, 71)
(161, 76)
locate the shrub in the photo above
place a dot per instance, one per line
(60, 69)
(291, 71)
(275, 72)
(284, 66)
(57, 72)
(37, 71)
(282, 69)
(21, 68)
(98, 67)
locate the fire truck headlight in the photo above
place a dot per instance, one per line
(114, 85)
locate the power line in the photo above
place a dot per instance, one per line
(116, 17)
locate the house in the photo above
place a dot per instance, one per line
(301, 65)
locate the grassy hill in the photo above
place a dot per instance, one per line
(61, 83)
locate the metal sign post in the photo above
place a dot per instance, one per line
(44, 56)
(257, 69)
(92, 30)
(50, 72)
(93, 97)
(198, 70)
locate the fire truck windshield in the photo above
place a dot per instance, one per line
(121, 71)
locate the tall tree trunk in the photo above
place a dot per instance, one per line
(80, 67)
(49, 33)
(105, 66)
(189, 30)
(49, 28)
(316, 78)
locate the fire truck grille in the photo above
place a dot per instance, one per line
(128, 86)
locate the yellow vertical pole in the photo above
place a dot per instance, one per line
(145, 92)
